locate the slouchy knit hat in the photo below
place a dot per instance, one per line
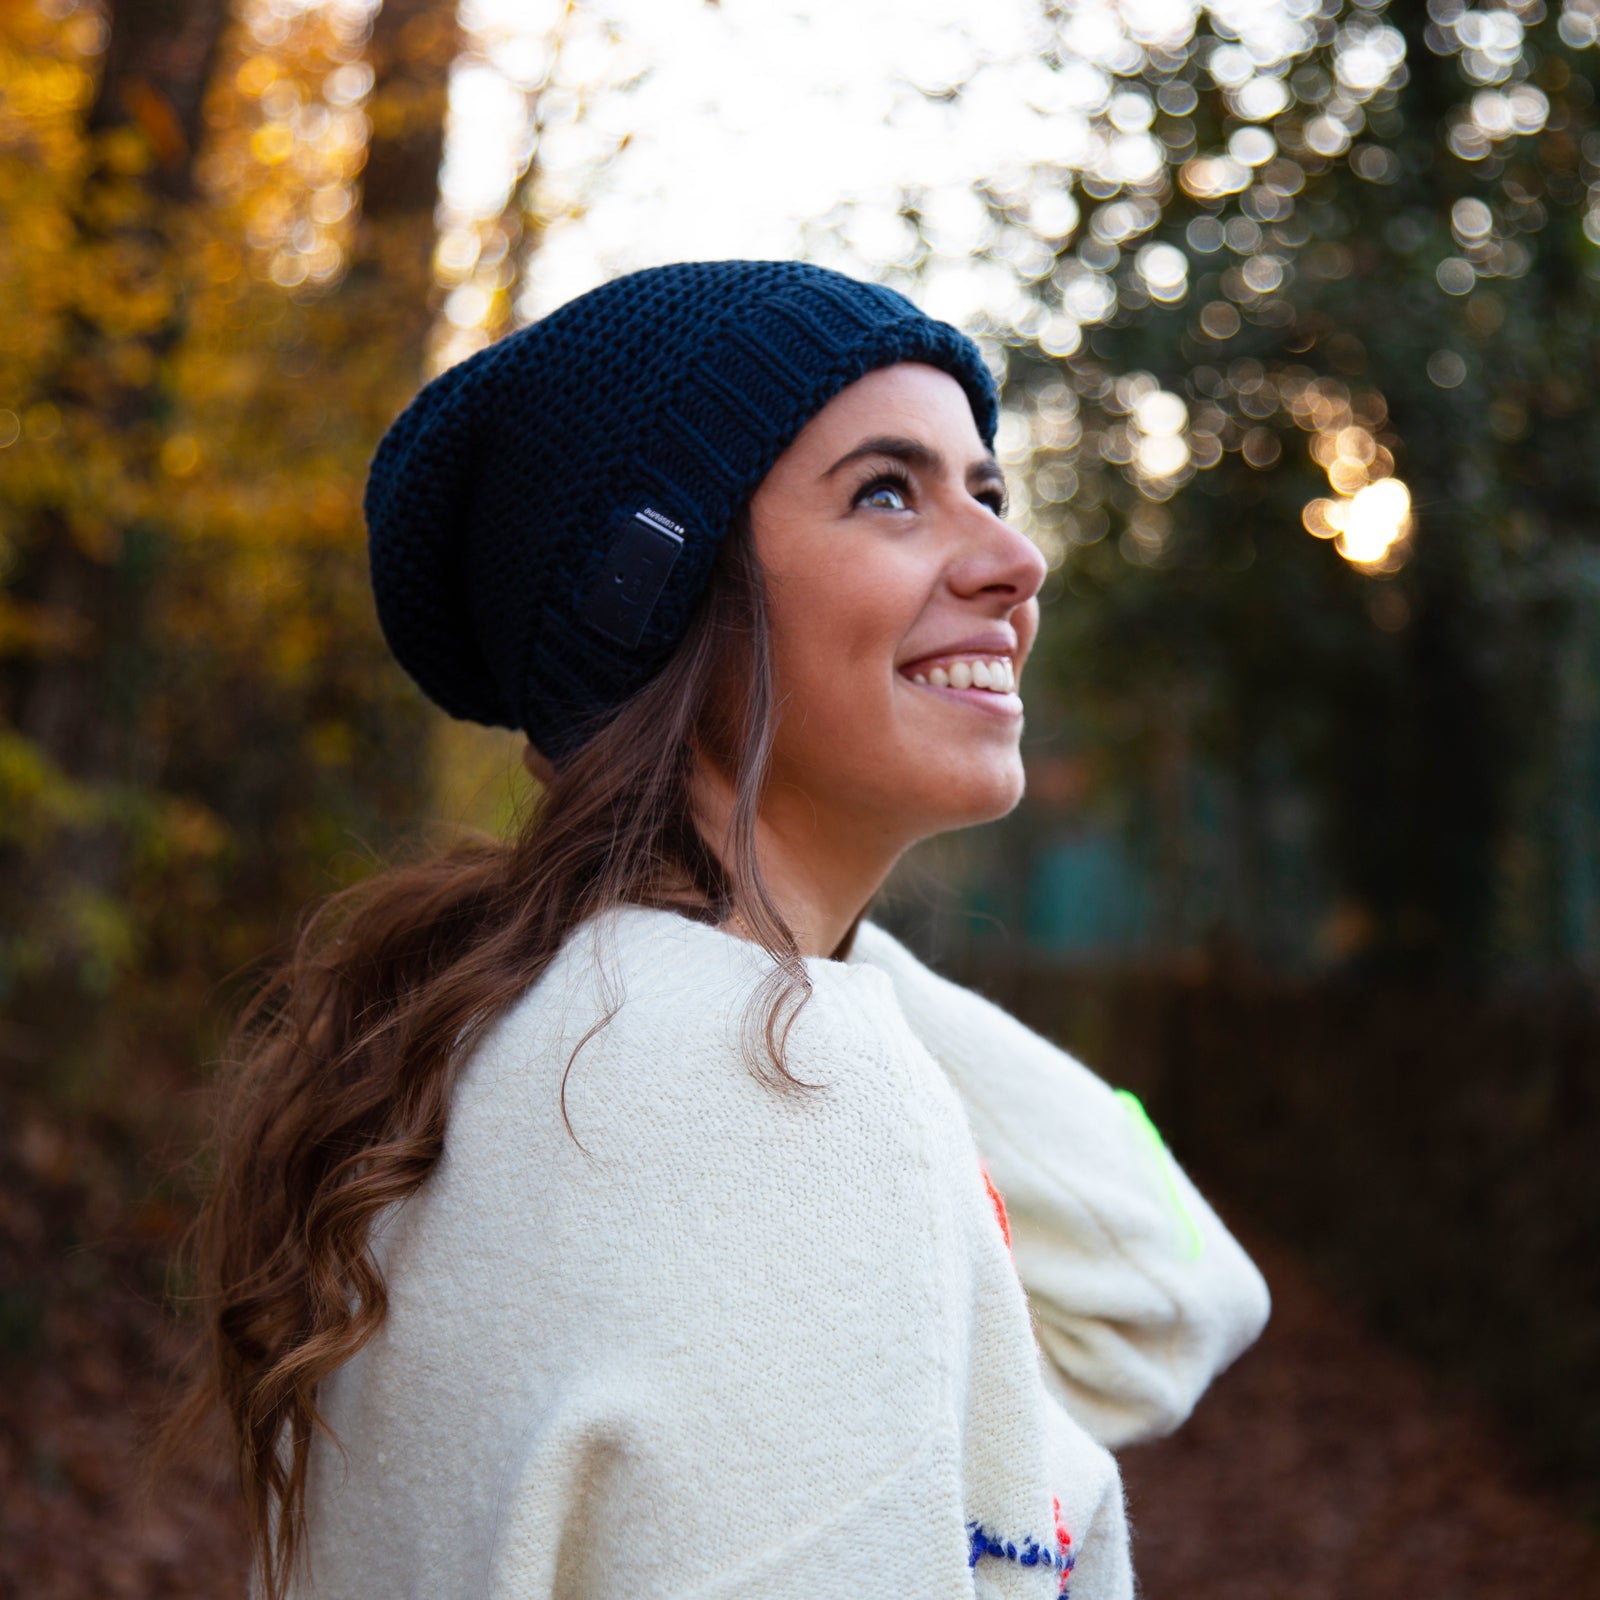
(542, 517)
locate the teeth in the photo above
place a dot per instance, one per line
(998, 677)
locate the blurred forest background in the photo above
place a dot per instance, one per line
(1295, 306)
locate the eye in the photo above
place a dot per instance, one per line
(886, 492)
(992, 495)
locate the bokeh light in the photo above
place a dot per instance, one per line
(290, 136)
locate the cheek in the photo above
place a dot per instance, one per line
(1026, 621)
(837, 627)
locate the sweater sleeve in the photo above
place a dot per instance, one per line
(1140, 1294)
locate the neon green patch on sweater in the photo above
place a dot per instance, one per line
(1194, 1244)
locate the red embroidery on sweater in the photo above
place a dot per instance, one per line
(1063, 1544)
(1063, 1538)
(999, 1205)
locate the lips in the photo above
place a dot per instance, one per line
(978, 671)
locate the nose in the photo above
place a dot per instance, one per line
(995, 560)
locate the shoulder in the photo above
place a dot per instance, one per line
(874, 950)
(934, 1005)
(645, 1151)
(645, 1021)
(664, 982)
(1008, 1076)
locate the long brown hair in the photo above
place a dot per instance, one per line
(337, 1093)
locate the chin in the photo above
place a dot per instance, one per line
(1003, 801)
(981, 796)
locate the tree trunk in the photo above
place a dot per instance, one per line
(413, 45)
(79, 707)
(157, 63)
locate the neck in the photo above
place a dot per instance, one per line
(819, 873)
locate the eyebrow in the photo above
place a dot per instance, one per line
(916, 454)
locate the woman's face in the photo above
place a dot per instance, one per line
(902, 609)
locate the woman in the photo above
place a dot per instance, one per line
(614, 1210)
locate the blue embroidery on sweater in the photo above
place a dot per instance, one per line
(1030, 1553)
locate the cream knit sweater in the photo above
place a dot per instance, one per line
(724, 1341)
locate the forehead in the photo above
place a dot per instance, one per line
(909, 399)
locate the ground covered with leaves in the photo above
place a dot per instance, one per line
(1323, 1465)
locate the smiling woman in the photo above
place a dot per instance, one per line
(902, 609)
(617, 1207)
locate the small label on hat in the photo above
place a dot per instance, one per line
(636, 570)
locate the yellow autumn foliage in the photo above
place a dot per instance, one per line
(191, 386)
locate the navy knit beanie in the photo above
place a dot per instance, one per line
(542, 517)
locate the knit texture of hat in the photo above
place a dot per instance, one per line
(542, 517)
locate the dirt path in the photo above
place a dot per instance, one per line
(85, 1359)
(1322, 1466)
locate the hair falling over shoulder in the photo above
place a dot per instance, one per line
(336, 1096)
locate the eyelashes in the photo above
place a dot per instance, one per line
(897, 480)
(995, 497)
